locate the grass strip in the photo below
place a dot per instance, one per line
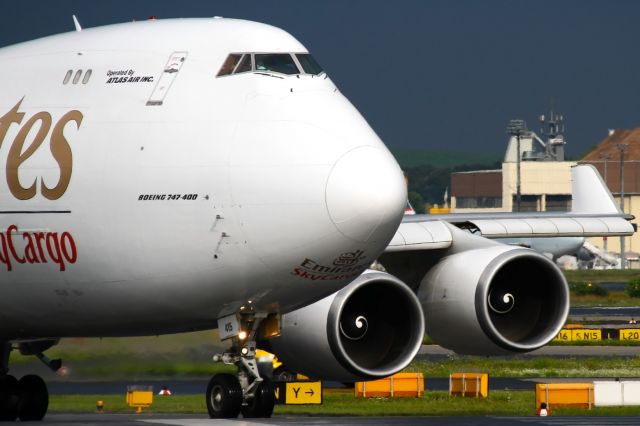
(527, 367)
(601, 275)
(433, 403)
(334, 403)
(615, 298)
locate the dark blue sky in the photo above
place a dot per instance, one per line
(429, 74)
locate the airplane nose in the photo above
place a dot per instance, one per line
(365, 193)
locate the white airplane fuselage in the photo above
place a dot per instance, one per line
(157, 197)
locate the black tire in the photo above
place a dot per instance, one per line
(224, 396)
(9, 398)
(34, 398)
(261, 405)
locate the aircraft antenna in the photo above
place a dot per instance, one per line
(77, 24)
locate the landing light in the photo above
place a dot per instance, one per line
(63, 371)
(245, 351)
(242, 335)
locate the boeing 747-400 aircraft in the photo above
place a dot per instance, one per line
(209, 170)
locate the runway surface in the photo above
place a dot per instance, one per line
(608, 311)
(428, 351)
(183, 420)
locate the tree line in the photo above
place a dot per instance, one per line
(428, 183)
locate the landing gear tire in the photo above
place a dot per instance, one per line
(9, 398)
(224, 396)
(261, 405)
(34, 398)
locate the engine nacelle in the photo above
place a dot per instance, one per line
(370, 329)
(494, 300)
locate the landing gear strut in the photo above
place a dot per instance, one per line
(247, 392)
(26, 399)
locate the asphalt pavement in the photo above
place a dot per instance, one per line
(186, 420)
(608, 311)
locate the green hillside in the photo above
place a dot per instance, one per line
(429, 171)
(443, 158)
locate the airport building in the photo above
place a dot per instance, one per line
(545, 178)
(545, 186)
(546, 181)
(620, 144)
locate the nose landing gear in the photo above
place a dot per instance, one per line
(247, 392)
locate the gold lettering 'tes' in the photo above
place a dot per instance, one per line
(18, 154)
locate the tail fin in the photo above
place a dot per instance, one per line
(589, 193)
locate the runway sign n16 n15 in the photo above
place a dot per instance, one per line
(298, 393)
(567, 335)
(586, 334)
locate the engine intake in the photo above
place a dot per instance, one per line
(370, 329)
(497, 299)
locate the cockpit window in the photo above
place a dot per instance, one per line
(282, 63)
(308, 64)
(276, 62)
(245, 64)
(229, 64)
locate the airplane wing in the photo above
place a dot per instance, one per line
(480, 296)
(593, 213)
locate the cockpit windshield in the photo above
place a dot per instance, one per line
(281, 63)
(309, 65)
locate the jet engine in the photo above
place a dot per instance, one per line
(370, 329)
(494, 300)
